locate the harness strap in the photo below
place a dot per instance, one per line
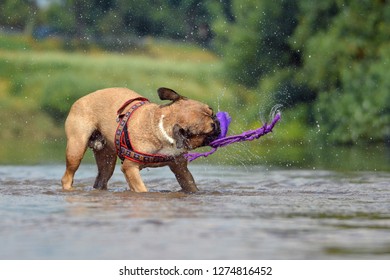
(127, 103)
(122, 139)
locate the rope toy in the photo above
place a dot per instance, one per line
(223, 140)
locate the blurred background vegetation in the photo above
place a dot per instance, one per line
(327, 62)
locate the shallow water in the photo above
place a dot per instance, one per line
(240, 213)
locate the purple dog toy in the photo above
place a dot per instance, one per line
(223, 140)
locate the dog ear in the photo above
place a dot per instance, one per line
(169, 94)
(179, 135)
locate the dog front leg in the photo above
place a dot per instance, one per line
(131, 171)
(183, 175)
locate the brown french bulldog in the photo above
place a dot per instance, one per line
(158, 135)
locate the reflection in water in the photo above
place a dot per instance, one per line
(240, 213)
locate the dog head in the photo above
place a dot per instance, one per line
(194, 124)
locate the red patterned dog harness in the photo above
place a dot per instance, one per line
(123, 145)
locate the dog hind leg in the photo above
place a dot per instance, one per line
(75, 150)
(105, 160)
(78, 132)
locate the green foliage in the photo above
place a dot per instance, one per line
(362, 109)
(331, 55)
(16, 14)
(254, 43)
(45, 84)
(285, 87)
(62, 91)
(14, 43)
(113, 23)
(346, 62)
(58, 19)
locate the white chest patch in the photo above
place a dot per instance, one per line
(165, 135)
(169, 149)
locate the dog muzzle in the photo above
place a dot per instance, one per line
(215, 134)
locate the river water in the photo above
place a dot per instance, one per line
(245, 212)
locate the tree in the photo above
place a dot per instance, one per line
(178, 19)
(253, 41)
(346, 60)
(17, 14)
(332, 55)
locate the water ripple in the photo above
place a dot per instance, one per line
(239, 213)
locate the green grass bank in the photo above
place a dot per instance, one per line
(39, 82)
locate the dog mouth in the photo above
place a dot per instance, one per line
(215, 132)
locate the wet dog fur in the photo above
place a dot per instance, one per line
(171, 129)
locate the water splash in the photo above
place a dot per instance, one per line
(224, 140)
(219, 97)
(276, 109)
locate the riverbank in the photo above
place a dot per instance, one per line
(38, 84)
